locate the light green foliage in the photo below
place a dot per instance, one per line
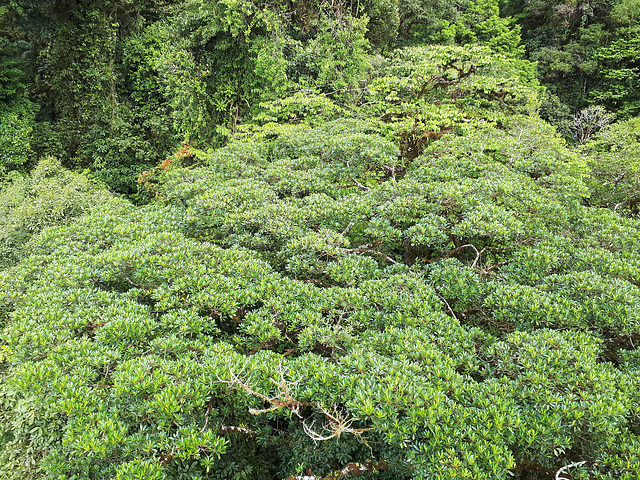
(203, 48)
(308, 297)
(470, 22)
(309, 106)
(423, 93)
(337, 55)
(16, 125)
(49, 195)
(481, 22)
(615, 167)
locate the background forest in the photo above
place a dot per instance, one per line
(312, 240)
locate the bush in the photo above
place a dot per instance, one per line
(49, 195)
(313, 302)
(416, 291)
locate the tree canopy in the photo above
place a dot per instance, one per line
(315, 240)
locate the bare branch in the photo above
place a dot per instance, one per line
(461, 247)
(133, 284)
(478, 257)
(391, 170)
(336, 422)
(513, 157)
(616, 181)
(359, 185)
(567, 467)
(370, 250)
(242, 430)
(348, 228)
(354, 184)
(485, 271)
(468, 245)
(356, 468)
(589, 121)
(448, 306)
(282, 400)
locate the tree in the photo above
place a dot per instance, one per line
(619, 67)
(615, 167)
(470, 22)
(481, 22)
(585, 51)
(17, 113)
(589, 121)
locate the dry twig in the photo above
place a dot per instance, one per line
(282, 400)
(356, 468)
(370, 248)
(336, 423)
(567, 467)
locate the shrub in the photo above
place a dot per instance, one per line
(49, 195)
(457, 315)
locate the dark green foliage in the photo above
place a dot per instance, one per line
(619, 64)
(620, 71)
(120, 85)
(586, 51)
(427, 20)
(16, 125)
(16, 111)
(84, 118)
(384, 20)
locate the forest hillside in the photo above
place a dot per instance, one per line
(312, 240)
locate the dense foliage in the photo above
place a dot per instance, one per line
(312, 240)
(50, 195)
(114, 85)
